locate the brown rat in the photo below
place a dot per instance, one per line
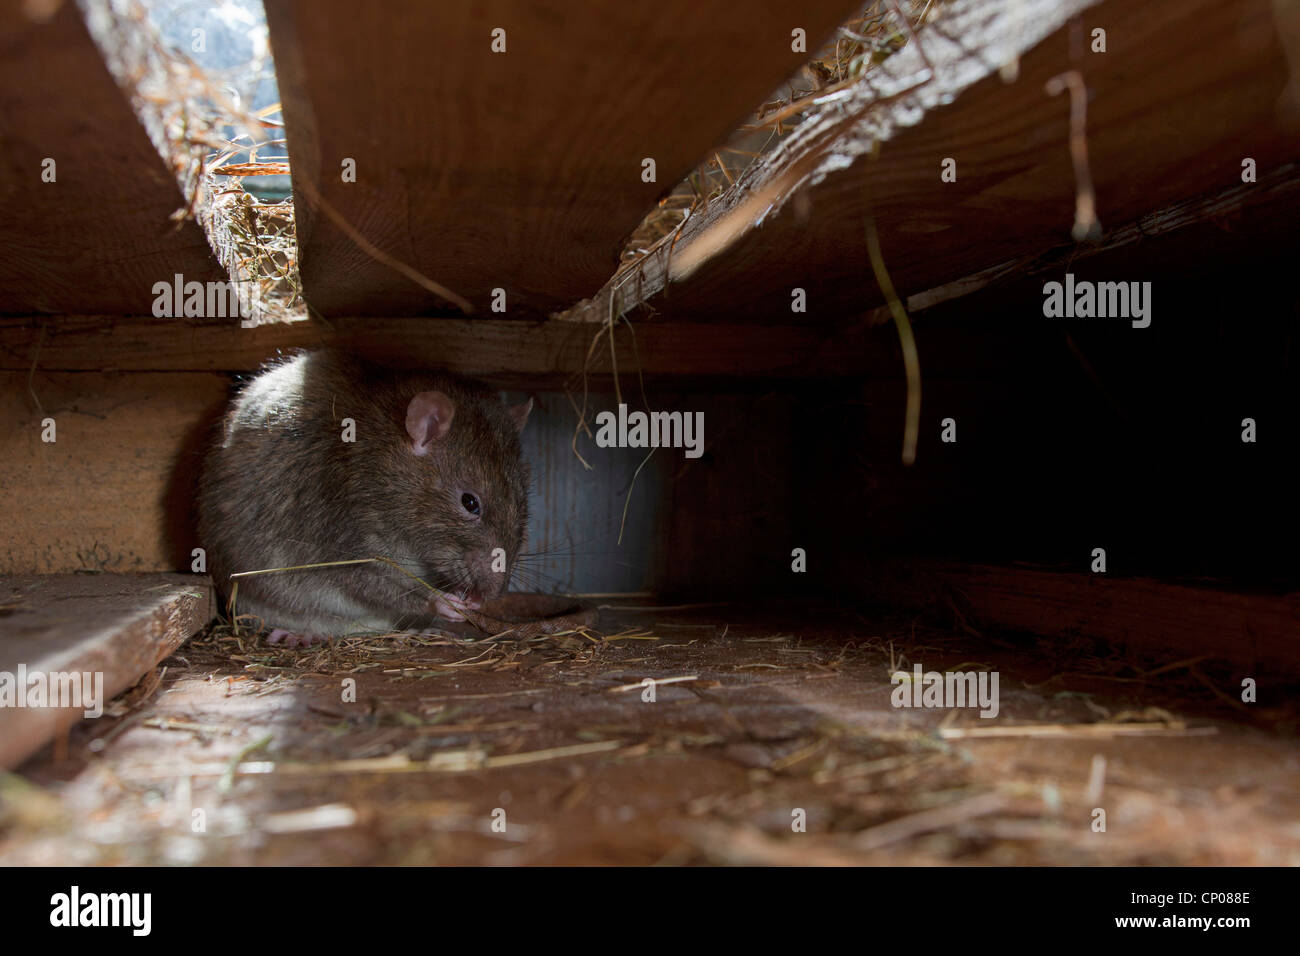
(433, 480)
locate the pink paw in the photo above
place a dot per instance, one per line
(285, 638)
(452, 606)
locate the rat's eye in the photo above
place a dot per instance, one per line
(470, 503)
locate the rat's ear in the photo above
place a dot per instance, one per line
(428, 419)
(519, 414)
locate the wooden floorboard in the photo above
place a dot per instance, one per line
(115, 625)
(757, 709)
(1258, 632)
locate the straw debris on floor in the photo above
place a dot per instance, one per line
(769, 740)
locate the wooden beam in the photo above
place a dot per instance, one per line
(1256, 631)
(1186, 90)
(519, 170)
(114, 627)
(99, 235)
(532, 353)
(115, 490)
(1246, 220)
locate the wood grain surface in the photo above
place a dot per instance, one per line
(1186, 90)
(115, 625)
(519, 170)
(98, 237)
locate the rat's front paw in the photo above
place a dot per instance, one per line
(453, 606)
(283, 638)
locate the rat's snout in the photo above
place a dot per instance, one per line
(484, 584)
(490, 574)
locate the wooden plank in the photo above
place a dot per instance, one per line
(1185, 91)
(779, 694)
(519, 170)
(114, 491)
(114, 627)
(98, 237)
(1260, 632)
(503, 350)
(1242, 222)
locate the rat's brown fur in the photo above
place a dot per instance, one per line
(280, 487)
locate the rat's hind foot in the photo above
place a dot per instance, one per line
(286, 638)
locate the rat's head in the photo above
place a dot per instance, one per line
(472, 492)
